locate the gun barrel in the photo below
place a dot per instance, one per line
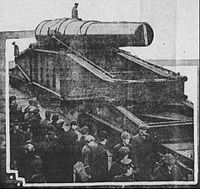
(117, 34)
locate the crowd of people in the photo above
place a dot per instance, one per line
(44, 152)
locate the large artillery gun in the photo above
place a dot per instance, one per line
(80, 63)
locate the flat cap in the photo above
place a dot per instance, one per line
(143, 126)
(168, 157)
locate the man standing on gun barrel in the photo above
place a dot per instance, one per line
(75, 11)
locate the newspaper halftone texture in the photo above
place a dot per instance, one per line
(99, 93)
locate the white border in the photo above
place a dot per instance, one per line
(22, 180)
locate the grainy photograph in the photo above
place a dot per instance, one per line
(99, 93)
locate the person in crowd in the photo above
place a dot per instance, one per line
(13, 104)
(80, 143)
(54, 119)
(84, 132)
(30, 163)
(127, 172)
(75, 11)
(16, 142)
(35, 126)
(71, 136)
(60, 132)
(70, 150)
(53, 159)
(15, 111)
(89, 158)
(125, 142)
(101, 158)
(116, 166)
(144, 148)
(45, 122)
(33, 102)
(77, 131)
(28, 135)
(168, 170)
(16, 49)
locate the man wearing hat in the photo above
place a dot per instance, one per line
(144, 148)
(101, 159)
(16, 142)
(125, 142)
(75, 11)
(46, 121)
(127, 172)
(168, 170)
(13, 108)
(84, 131)
(117, 165)
(60, 132)
(70, 150)
(88, 156)
(16, 49)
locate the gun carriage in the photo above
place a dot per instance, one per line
(80, 63)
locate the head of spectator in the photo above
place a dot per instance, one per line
(60, 123)
(127, 168)
(30, 102)
(143, 130)
(35, 102)
(123, 152)
(13, 43)
(90, 140)
(169, 159)
(84, 130)
(103, 136)
(48, 115)
(51, 135)
(125, 136)
(74, 125)
(29, 148)
(12, 99)
(55, 118)
(16, 126)
(36, 111)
